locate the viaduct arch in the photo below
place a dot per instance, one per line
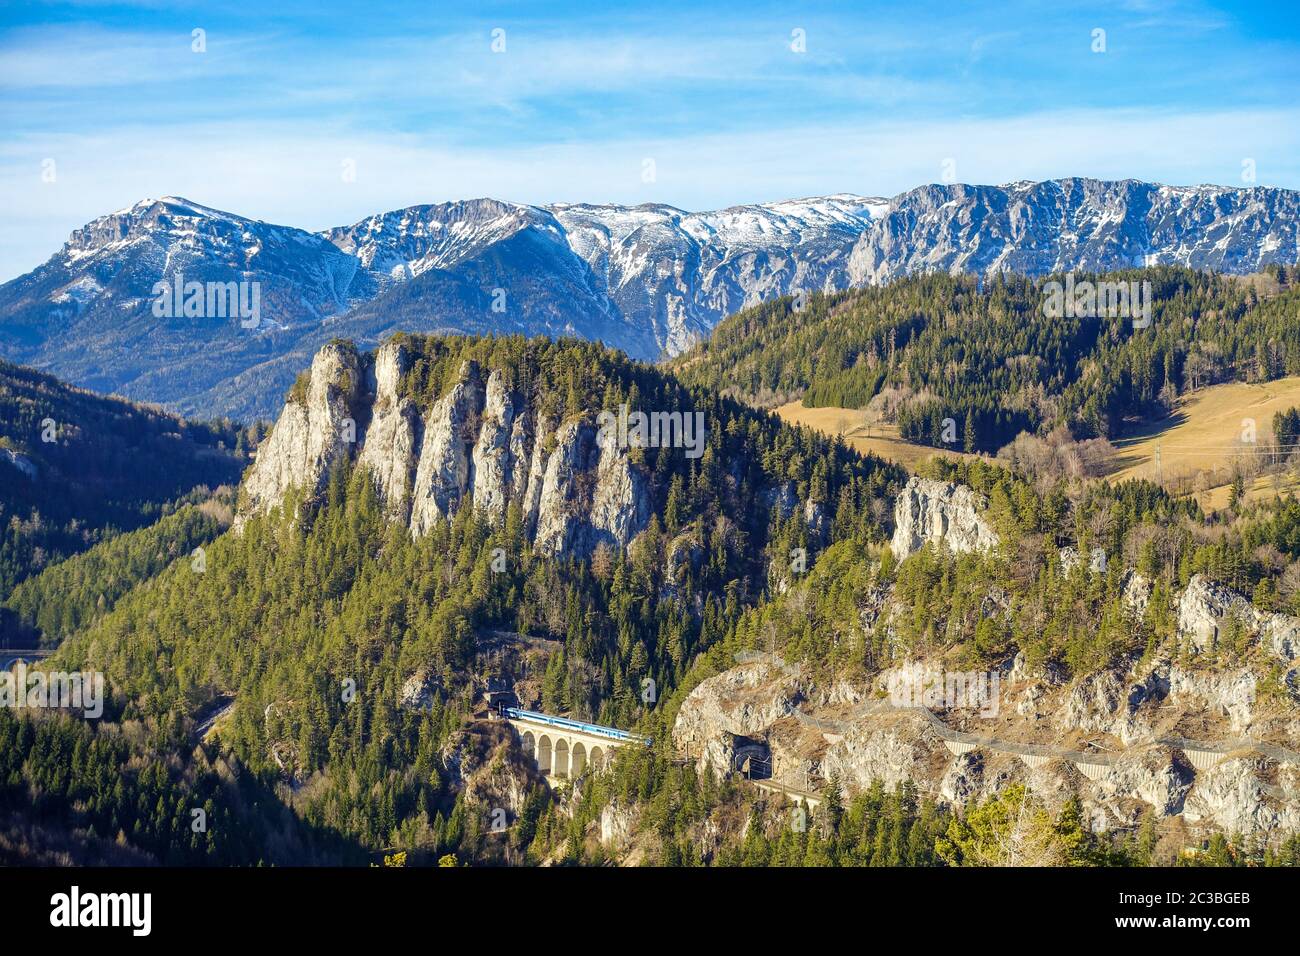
(563, 748)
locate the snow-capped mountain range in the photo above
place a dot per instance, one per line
(650, 279)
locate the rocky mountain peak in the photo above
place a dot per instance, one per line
(155, 220)
(392, 361)
(403, 243)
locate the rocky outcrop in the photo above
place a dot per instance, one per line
(419, 691)
(1136, 594)
(939, 513)
(487, 765)
(557, 517)
(725, 713)
(781, 499)
(901, 750)
(1229, 694)
(1157, 737)
(620, 503)
(1231, 796)
(314, 430)
(1069, 558)
(494, 460)
(1124, 705)
(480, 445)
(394, 433)
(815, 517)
(685, 554)
(1151, 776)
(617, 824)
(963, 780)
(1206, 607)
(1103, 703)
(573, 515)
(442, 477)
(784, 500)
(1163, 733)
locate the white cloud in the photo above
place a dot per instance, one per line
(80, 58)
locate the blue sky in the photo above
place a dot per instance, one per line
(413, 95)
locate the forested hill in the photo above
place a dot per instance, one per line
(719, 533)
(76, 467)
(983, 354)
(332, 591)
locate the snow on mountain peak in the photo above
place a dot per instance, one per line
(650, 277)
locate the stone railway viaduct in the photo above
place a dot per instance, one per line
(564, 748)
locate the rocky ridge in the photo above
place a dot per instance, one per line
(479, 445)
(1121, 740)
(1198, 743)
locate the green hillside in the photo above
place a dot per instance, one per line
(76, 468)
(983, 354)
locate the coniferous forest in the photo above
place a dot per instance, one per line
(982, 353)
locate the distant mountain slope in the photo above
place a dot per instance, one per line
(88, 313)
(1080, 224)
(49, 606)
(650, 279)
(515, 274)
(75, 467)
(679, 273)
(959, 363)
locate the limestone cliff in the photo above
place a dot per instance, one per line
(729, 713)
(442, 474)
(480, 445)
(394, 434)
(1207, 607)
(939, 513)
(485, 764)
(314, 430)
(1193, 744)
